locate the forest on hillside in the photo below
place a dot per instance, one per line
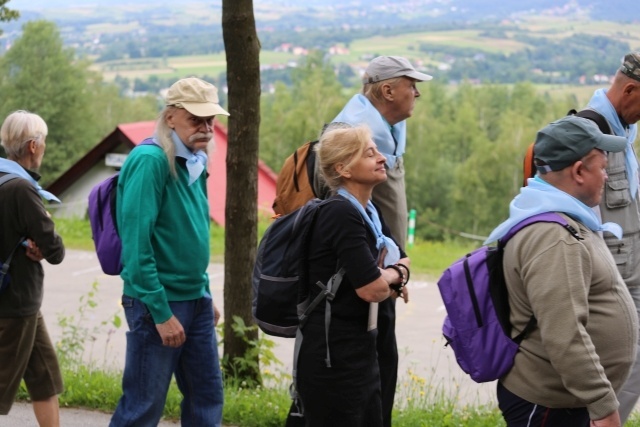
(464, 146)
(465, 141)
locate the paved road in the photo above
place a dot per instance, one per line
(418, 329)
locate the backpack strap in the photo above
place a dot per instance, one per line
(329, 292)
(528, 165)
(4, 266)
(8, 177)
(542, 217)
(595, 117)
(311, 167)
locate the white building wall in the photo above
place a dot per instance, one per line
(75, 198)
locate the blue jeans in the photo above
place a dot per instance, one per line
(149, 366)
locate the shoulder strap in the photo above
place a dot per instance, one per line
(4, 267)
(594, 116)
(528, 165)
(597, 118)
(148, 141)
(543, 217)
(8, 177)
(329, 292)
(300, 156)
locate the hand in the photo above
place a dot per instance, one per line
(32, 251)
(381, 256)
(405, 294)
(611, 420)
(216, 315)
(171, 332)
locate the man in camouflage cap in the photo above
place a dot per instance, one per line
(631, 65)
(620, 106)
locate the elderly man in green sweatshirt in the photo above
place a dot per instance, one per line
(163, 218)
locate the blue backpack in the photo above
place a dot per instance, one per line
(102, 218)
(474, 292)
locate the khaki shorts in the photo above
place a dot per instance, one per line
(26, 352)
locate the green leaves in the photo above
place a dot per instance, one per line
(40, 75)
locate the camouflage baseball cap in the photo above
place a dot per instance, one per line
(631, 65)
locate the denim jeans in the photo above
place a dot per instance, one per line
(149, 366)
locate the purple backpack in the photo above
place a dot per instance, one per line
(102, 217)
(474, 292)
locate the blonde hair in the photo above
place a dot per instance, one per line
(373, 91)
(18, 129)
(340, 144)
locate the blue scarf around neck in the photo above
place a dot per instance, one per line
(359, 110)
(600, 103)
(196, 162)
(9, 166)
(382, 241)
(541, 197)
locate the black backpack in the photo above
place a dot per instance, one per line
(280, 290)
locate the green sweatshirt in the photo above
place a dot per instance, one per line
(164, 227)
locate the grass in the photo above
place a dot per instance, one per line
(429, 259)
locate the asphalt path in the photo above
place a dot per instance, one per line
(424, 361)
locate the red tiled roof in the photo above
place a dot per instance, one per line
(130, 134)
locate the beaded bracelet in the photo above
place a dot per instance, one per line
(405, 276)
(396, 268)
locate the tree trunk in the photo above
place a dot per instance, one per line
(242, 49)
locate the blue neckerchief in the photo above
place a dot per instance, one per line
(602, 105)
(9, 166)
(382, 241)
(196, 162)
(360, 111)
(540, 197)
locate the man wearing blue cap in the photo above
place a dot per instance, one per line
(571, 366)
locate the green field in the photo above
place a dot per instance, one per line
(179, 66)
(360, 51)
